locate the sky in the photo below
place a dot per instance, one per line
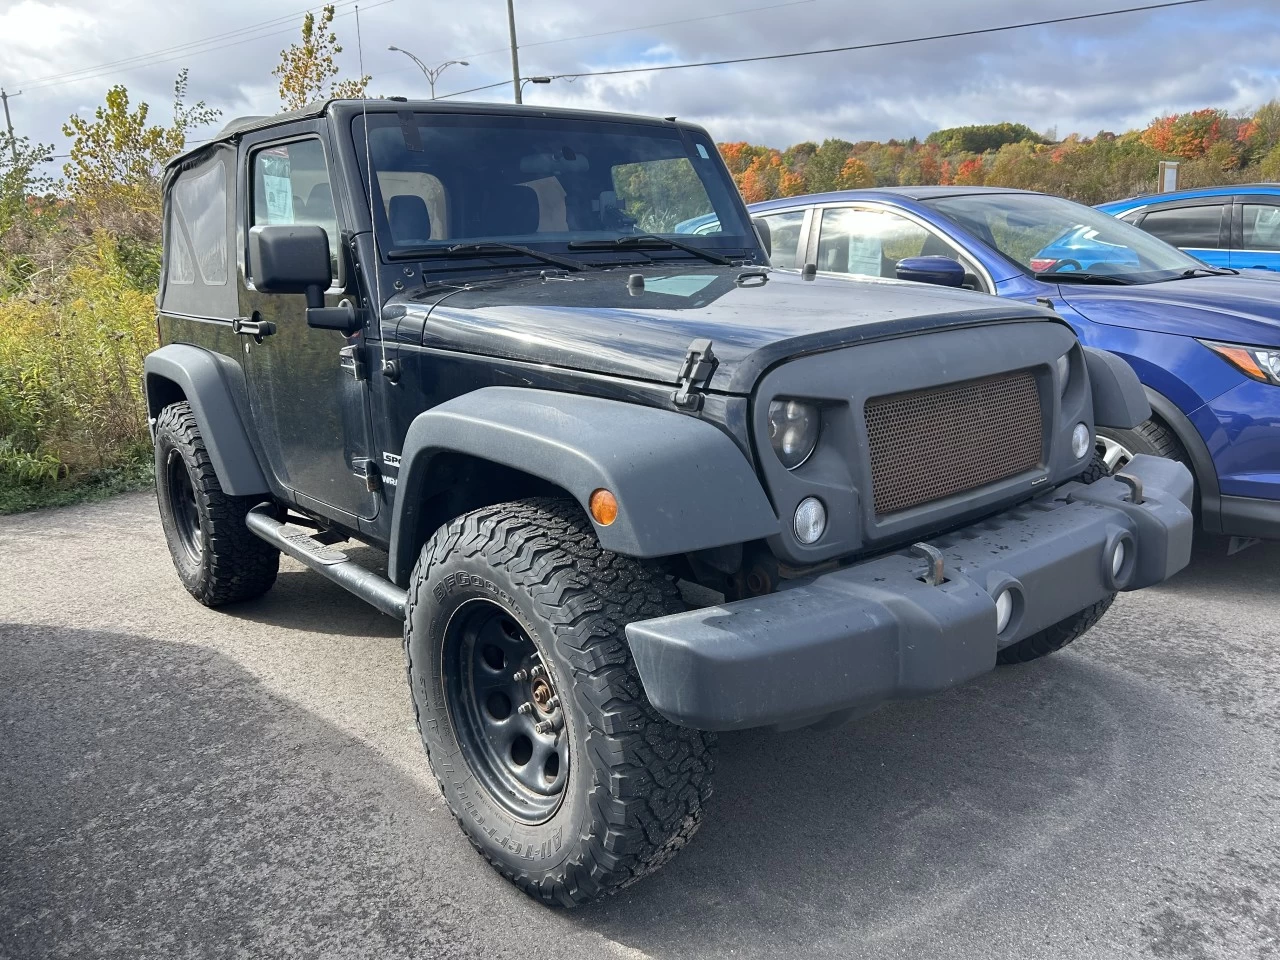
(1111, 73)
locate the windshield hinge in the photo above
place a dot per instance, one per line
(695, 374)
(351, 359)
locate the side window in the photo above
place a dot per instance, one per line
(1261, 226)
(871, 242)
(784, 237)
(1197, 227)
(291, 185)
(198, 226)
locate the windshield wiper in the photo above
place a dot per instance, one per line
(649, 240)
(489, 247)
(1077, 276)
(1210, 272)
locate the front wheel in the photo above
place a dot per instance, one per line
(217, 557)
(530, 707)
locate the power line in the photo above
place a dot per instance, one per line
(647, 26)
(863, 46)
(154, 58)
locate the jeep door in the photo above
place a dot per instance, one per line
(308, 388)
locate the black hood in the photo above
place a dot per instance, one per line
(595, 322)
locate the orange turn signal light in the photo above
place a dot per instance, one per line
(1238, 357)
(604, 507)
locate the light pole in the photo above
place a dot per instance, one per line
(431, 73)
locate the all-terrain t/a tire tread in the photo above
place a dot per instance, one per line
(651, 778)
(1054, 638)
(241, 566)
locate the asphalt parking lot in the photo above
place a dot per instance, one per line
(179, 782)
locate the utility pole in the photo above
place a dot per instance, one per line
(13, 144)
(515, 56)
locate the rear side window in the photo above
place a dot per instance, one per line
(1261, 226)
(291, 185)
(1187, 226)
(198, 228)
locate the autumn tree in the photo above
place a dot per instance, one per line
(854, 175)
(306, 67)
(119, 155)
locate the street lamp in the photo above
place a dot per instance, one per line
(431, 73)
(527, 80)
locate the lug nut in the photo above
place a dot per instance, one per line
(525, 708)
(536, 672)
(543, 726)
(553, 703)
(520, 675)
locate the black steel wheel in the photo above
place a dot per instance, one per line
(553, 762)
(182, 502)
(217, 558)
(506, 711)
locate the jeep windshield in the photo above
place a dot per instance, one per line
(1066, 242)
(477, 190)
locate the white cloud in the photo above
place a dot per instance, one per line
(1110, 73)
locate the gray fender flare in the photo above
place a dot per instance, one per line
(1119, 400)
(681, 484)
(205, 380)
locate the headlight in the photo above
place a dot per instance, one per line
(793, 430)
(1257, 363)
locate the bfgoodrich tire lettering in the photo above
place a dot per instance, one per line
(636, 784)
(217, 558)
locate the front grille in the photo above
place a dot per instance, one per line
(930, 444)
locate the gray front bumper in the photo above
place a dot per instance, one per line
(842, 641)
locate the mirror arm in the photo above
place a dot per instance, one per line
(342, 317)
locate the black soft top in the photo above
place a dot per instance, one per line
(344, 109)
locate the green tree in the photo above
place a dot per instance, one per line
(22, 180)
(119, 155)
(824, 168)
(982, 137)
(306, 67)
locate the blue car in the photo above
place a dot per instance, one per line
(1204, 341)
(1236, 226)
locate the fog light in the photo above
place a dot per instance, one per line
(1081, 441)
(1118, 557)
(810, 520)
(1004, 610)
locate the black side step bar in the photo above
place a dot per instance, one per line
(334, 565)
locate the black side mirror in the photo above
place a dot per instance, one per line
(294, 258)
(766, 235)
(942, 271)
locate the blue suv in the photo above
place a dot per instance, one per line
(1204, 341)
(1236, 226)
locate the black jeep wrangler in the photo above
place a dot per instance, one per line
(633, 485)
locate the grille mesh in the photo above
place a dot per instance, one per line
(930, 444)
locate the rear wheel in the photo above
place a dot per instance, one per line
(217, 558)
(530, 707)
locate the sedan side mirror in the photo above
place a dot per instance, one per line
(294, 258)
(765, 234)
(942, 271)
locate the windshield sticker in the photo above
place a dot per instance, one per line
(702, 152)
(865, 255)
(279, 191)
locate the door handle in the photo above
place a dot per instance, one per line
(252, 327)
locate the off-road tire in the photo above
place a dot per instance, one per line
(1150, 437)
(637, 784)
(230, 563)
(1056, 637)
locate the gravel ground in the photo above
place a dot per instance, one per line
(178, 782)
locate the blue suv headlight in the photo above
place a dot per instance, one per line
(1256, 363)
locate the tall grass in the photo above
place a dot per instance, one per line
(76, 320)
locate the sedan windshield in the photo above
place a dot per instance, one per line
(450, 185)
(1054, 238)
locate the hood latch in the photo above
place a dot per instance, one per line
(695, 374)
